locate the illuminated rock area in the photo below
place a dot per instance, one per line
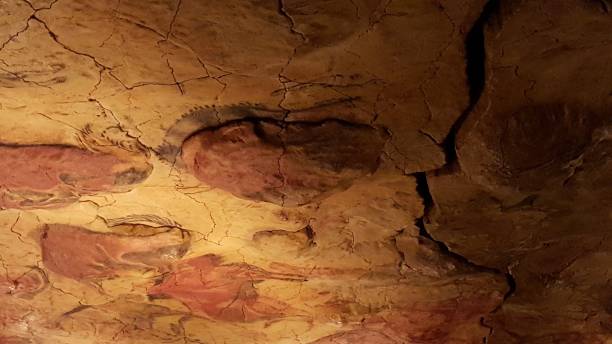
(305, 171)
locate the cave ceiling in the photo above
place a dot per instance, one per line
(305, 171)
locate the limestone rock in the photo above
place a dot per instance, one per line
(305, 171)
(527, 194)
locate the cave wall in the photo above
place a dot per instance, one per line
(322, 171)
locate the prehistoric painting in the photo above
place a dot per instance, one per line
(305, 172)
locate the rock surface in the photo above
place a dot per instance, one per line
(288, 172)
(529, 193)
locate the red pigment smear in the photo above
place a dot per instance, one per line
(27, 283)
(81, 254)
(12, 316)
(223, 291)
(44, 167)
(13, 340)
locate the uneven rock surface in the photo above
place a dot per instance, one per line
(279, 172)
(530, 191)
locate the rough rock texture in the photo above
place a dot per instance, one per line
(305, 171)
(530, 192)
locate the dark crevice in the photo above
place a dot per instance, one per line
(475, 55)
(428, 203)
(511, 290)
(511, 286)
(422, 188)
(311, 235)
(283, 12)
(401, 253)
(605, 6)
(475, 52)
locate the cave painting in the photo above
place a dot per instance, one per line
(284, 163)
(305, 172)
(81, 254)
(54, 175)
(223, 291)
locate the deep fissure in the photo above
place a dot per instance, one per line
(475, 53)
(475, 71)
